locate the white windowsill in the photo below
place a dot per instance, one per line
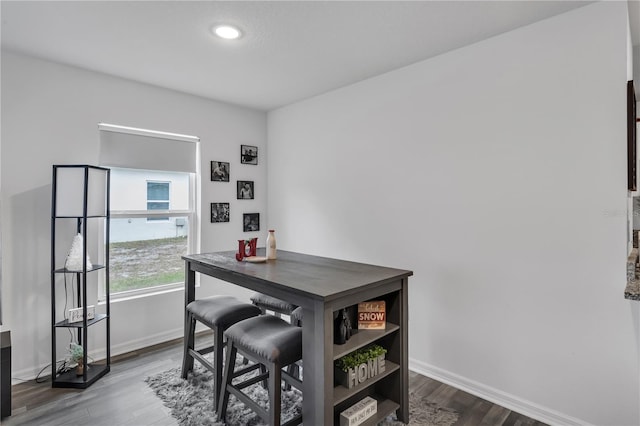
(149, 293)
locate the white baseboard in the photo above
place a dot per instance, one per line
(101, 353)
(134, 345)
(496, 396)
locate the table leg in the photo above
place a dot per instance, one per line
(189, 296)
(317, 356)
(403, 412)
(189, 283)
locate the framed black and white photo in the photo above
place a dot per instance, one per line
(245, 190)
(220, 171)
(249, 154)
(251, 222)
(219, 212)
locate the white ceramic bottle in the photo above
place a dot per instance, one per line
(271, 244)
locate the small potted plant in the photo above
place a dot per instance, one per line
(360, 365)
(77, 355)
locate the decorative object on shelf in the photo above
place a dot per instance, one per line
(372, 315)
(249, 154)
(359, 412)
(246, 248)
(245, 190)
(342, 328)
(271, 245)
(74, 258)
(76, 354)
(220, 171)
(357, 367)
(251, 222)
(77, 315)
(220, 212)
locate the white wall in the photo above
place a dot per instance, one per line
(50, 114)
(497, 174)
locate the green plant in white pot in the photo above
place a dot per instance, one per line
(76, 354)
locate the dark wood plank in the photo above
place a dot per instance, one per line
(421, 385)
(472, 414)
(495, 416)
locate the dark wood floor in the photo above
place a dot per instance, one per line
(123, 398)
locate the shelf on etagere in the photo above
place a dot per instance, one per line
(68, 271)
(385, 408)
(340, 393)
(80, 324)
(361, 339)
(70, 379)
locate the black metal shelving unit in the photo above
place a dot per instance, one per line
(92, 184)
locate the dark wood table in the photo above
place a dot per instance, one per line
(322, 286)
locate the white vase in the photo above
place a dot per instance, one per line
(271, 245)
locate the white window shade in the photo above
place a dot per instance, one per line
(145, 149)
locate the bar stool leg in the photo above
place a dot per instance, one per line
(265, 382)
(187, 358)
(226, 380)
(218, 347)
(275, 377)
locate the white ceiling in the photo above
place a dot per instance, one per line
(290, 50)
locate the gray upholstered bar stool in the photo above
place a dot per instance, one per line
(271, 342)
(218, 313)
(272, 304)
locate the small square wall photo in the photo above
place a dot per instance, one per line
(251, 222)
(220, 171)
(219, 212)
(245, 190)
(249, 154)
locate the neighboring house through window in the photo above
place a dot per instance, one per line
(157, 198)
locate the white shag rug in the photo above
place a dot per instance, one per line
(191, 402)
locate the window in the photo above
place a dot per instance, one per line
(157, 198)
(152, 207)
(150, 228)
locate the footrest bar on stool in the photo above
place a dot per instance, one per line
(294, 421)
(292, 380)
(252, 381)
(248, 402)
(245, 370)
(205, 351)
(205, 362)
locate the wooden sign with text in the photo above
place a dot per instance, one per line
(372, 315)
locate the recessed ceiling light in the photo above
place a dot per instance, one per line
(227, 32)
